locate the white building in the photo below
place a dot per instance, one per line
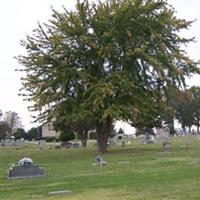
(48, 131)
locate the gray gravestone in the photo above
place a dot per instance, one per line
(9, 142)
(166, 140)
(41, 144)
(25, 169)
(146, 139)
(75, 145)
(112, 141)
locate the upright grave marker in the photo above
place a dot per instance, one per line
(25, 169)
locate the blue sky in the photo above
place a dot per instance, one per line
(19, 17)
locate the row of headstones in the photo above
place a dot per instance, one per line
(42, 144)
(26, 168)
(163, 137)
(11, 142)
(67, 145)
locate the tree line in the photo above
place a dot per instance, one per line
(12, 127)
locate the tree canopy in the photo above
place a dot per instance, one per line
(194, 105)
(10, 122)
(104, 61)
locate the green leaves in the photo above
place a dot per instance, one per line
(112, 59)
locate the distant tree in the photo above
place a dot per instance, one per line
(63, 123)
(1, 114)
(144, 131)
(34, 133)
(67, 136)
(4, 130)
(112, 132)
(13, 121)
(82, 129)
(195, 106)
(110, 60)
(181, 107)
(20, 133)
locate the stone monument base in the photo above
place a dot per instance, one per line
(29, 171)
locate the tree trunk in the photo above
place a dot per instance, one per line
(83, 137)
(189, 129)
(183, 126)
(103, 130)
(198, 127)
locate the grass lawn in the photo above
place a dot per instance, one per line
(142, 172)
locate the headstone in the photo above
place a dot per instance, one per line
(25, 169)
(41, 144)
(112, 142)
(188, 141)
(123, 143)
(146, 139)
(1, 143)
(20, 142)
(167, 146)
(58, 146)
(198, 138)
(50, 146)
(9, 142)
(123, 162)
(67, 145)
(60, 192)
(166, 140)
(75, 145)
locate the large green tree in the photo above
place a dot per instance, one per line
(107, 60)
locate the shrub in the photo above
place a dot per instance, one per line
(67, 136)
(93, 135)
(51, 139)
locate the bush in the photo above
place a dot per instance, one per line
(93, 135)
(51, 139)
(67, 136)
(143, 131)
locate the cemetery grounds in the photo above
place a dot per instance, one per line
(134, 172)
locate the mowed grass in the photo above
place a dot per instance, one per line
(142, 172)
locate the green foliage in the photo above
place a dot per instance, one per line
(34, 133)
(194, 106)
(93, 135)
(9, 124)
(105, 61)
(67, 136)
(63, 123)
(4, 130)
(20, 133)
(52, 139)
(143, 131)
(112, 132)
(181, 107)
(13, 120)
